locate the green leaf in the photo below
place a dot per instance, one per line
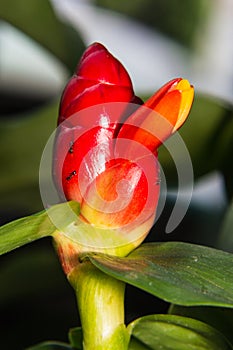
(219, 318)
(50, 346)
(168, 332)
(76, 338)
(31, 228)
(180, 273)
(37, 19)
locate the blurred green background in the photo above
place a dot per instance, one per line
(41, 42)
(180, 20)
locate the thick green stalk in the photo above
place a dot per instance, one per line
(101, 307)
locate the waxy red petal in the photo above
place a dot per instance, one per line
(78, 154)
(100, 65)
(119, 195)
(98, 94)
(73, 89)
(100, 78)
(97, 67)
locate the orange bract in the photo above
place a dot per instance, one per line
(161, 115)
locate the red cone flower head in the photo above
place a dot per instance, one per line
(105, 154)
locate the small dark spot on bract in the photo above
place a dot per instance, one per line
(71, 149)
(69, 177)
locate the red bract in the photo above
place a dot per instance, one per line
(99, 78)
(105, 154)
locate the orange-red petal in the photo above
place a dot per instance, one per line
(161, 115)
(121, 195)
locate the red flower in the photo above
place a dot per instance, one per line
(105, 154)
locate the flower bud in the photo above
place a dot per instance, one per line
(105, 154)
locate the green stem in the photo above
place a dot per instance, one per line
(101, 307)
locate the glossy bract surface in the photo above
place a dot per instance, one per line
(105, 153)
